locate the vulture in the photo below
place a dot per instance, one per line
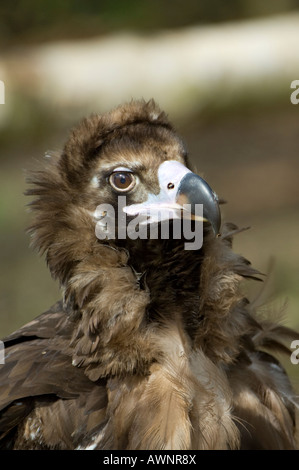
(153, 345)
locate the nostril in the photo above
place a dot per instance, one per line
(170, 186)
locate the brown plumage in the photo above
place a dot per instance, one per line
(153, 346)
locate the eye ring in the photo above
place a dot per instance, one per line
(122, 181)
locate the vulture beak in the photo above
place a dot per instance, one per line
(195, 190)
(180, 192)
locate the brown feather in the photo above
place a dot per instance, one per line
(153, 346)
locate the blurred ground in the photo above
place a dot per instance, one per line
(247, 148)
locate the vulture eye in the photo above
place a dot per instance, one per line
(122, 181)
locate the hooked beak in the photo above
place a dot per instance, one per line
(195, 190)
(179, 188)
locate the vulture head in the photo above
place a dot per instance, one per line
(102, 214)
(154, 345)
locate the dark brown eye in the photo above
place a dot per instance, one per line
(122, 181)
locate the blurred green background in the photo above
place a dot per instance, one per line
(222, 71)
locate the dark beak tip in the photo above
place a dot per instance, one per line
(195, 190)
